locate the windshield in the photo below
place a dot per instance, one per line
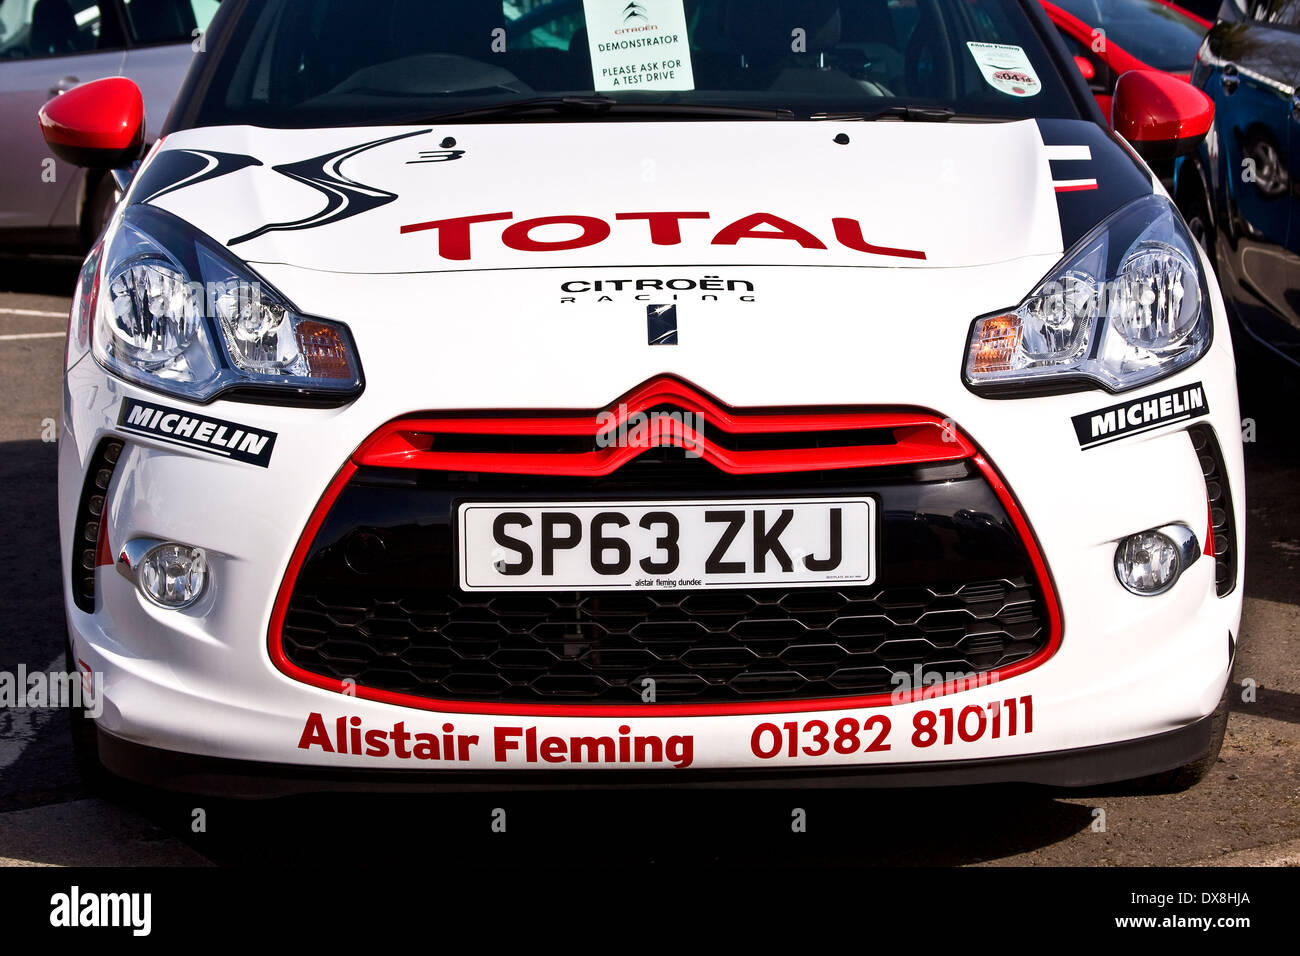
(1153, 32)
(300, 63)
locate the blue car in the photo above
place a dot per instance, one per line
(1236, 191)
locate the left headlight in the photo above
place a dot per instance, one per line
(178, 314)
(1127, 305)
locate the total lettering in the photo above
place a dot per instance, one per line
(457, 234)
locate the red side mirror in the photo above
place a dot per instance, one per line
(1085, 67)
(99, 125)
(1160, 115)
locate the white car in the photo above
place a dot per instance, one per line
(671, 393)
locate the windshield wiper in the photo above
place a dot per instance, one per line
(597, 105)
(913, 114)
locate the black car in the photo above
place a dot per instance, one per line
(1237, 191)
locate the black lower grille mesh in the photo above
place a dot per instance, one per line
(713, 646)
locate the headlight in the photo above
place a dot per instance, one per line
(154, 318)
(178, 314)
(1126, 306)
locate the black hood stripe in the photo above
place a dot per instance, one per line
(344, 197)
(1089, 190)
(175, 169)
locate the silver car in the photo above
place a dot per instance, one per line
(46, 48)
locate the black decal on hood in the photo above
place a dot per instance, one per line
(436, 156)
(215, 436)
(175, 169)
(344, 197)
(1140, 415)
(1119, 179)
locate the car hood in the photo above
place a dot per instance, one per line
(883, 194)
(793, 267)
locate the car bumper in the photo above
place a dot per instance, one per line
(247, 779)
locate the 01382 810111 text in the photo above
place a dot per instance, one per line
(944, 726)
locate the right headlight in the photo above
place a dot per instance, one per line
(1127, 305)
(179, 314)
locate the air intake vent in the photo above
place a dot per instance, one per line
(89, 546)
(1220, 498)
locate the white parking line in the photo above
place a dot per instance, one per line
(33, 335)
(36, 312)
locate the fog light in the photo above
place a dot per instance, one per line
(1149, 562)
(168, 574)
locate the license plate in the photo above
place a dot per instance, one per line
(630, 545)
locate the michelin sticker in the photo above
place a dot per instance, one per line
(1140, 415)
(638, 45)
(216, 436)
(1006, 68)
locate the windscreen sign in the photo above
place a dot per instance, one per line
(638, 45)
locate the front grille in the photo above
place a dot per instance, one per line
(1219, 495)
(688, 646)
(376, 601)
(372, 601)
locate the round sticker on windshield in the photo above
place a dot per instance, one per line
(1006, 68)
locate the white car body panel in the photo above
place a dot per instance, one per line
(963, 193)
(495, 332)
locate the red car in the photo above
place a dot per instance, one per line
(1110, 37)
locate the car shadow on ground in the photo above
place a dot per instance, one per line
(35, 752)
(1268, 387)
(38, 275)
(630, 828)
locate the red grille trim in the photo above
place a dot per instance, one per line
(384, 449)
(413, 442)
